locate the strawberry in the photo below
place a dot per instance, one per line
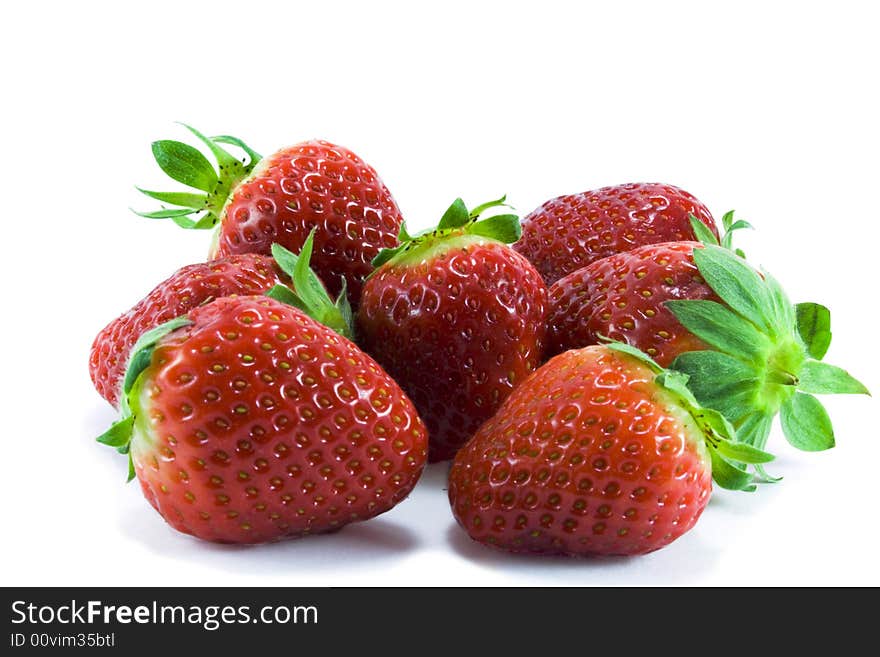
(622, 297)
(702, 310)
(247, 421)
(185, 289)
(599, 452)
(280, 199)
(457, 318)
(570, 232)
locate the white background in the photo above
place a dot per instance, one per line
(768, 108)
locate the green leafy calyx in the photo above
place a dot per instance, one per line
(728, 455)
(119, 435)
(188, 166)
(765, 354)
(456, 224)
(308, 293)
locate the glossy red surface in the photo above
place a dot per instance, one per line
(263, 424)
(621, 297)
(320, 185)
(570, 232)
(458, 333)
(184, 290)
(584, 458)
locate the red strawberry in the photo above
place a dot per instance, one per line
(570, 232)
(622, 297)
(599, 452)
(457, 318)
(246, 421)
(185, 289)
(702, 310)
(281, 198)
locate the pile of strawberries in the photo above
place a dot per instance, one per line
(589, 370)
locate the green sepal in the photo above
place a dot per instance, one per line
(387, 254)
(719, 434)
(814, 327)
(285, 295)
(309, 293)
(736, 283)
(729, 476)
(189, 166)
(182, 199)
(780, 311)
(166, 213)
(457, 220)
(720, 327)
(720, 381)
(482, 207)
(630, 350)
(743, 452)
(119, 434)
(754, 428)
(224, 158)
(142, 352)
(456, 216)
(822, 378)
(502, 227)
(253, 156)
(806, 424)
(185, 164)
(702, 232)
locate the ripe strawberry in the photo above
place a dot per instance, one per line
(702, 310)
(599, 452)
(570, 232)
(622, 297)
(457, 318)
(247, 421)
(185, 289)
(280, 199)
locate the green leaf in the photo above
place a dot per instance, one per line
(480, 209)
(119, 434)
(455, 216)
(821, 378)
(702, 231)
(131, 472)
(738, 285)
(253, 156)
(183, 199)
(806, 424)
(185, 164)
(142, 352)
(285, 295)
(728, 475)
(814, 327)
(502, 227)
(719, 327)
(635, 352)
(743, 452)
